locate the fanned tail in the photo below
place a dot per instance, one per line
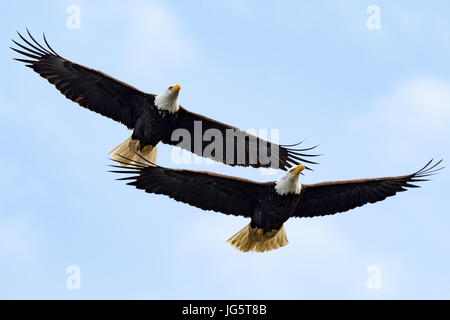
(254, 239)
(130, 150)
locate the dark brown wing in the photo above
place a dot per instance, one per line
(204, 190)
(243, 149)
(333, 197)
(89, 88)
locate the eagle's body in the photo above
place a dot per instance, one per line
(153, 118)
(154, 125)
(272, 209)
(269, 205)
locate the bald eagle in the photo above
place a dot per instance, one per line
(154, 118)
(269, 204)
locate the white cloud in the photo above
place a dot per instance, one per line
(410, 121)
(419, 103)
(430, 100)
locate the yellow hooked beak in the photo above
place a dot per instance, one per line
(175, 88)
(299, 168)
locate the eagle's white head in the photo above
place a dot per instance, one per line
(168, 100)
(288, 183)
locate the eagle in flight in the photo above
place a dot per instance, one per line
(154, 118)
(269, 204)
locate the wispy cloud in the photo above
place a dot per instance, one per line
(418, 103)
(410, 121)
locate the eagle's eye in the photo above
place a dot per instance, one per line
(171, 87)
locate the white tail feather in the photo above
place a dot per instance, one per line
(131, 149)
(254, 239)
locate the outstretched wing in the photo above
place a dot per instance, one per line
(89, 88)
(204, 190)
(238, 148)
(340, 196)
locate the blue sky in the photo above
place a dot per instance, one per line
(377, 101)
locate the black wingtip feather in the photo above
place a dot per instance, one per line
(24, 60)
(42, 52)
(295, 156)
(35, 48)
(131, 161)
(51, 49)
(37, 43)
(303, 149)
(25, 53)
(428, 170)
(128, 164)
